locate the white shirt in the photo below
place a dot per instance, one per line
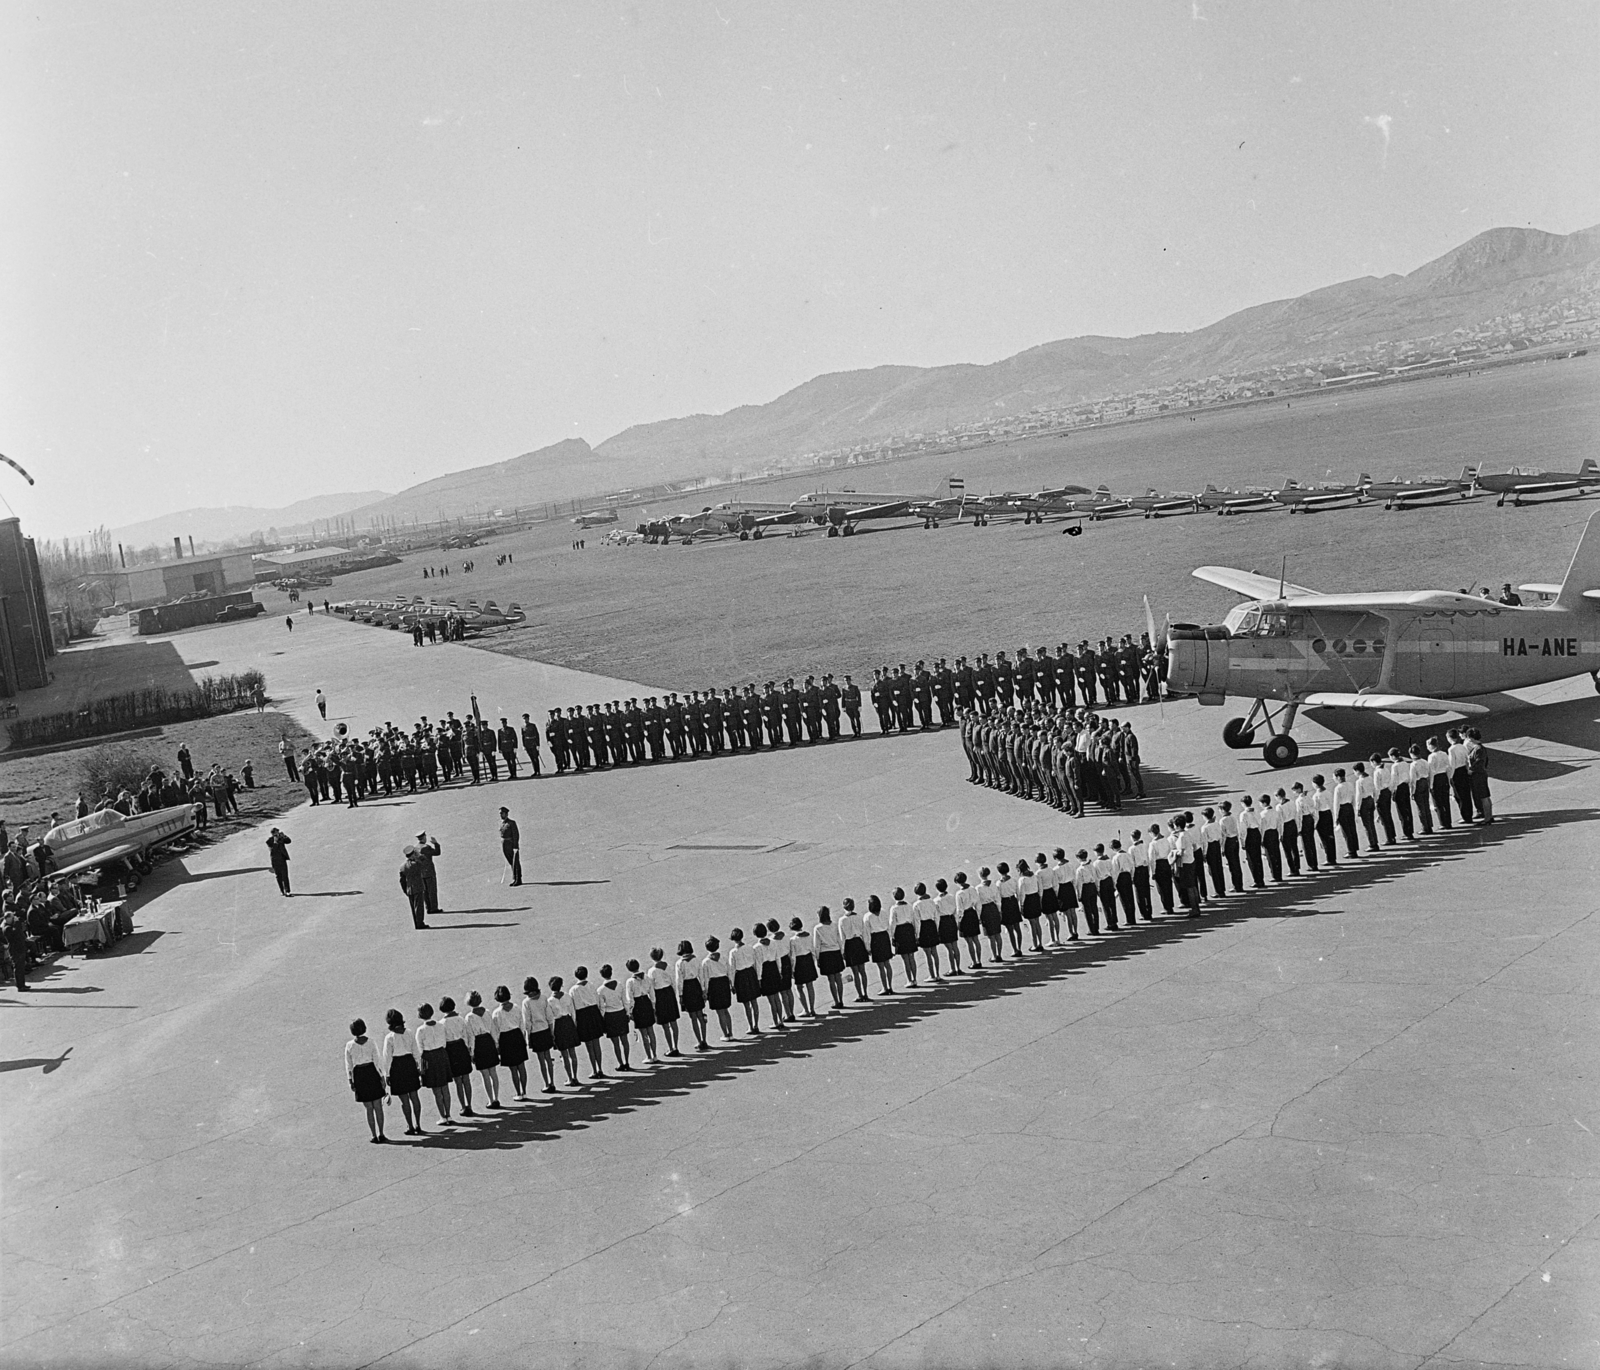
(966, 898)
(1048, 878)
(398, 1044)
(898, 914)
(1457, 754)
(743, 958)
(879, 921)
(1008, 889)
(477, 1024)
(800, 944)
(1102, 868)
(1122, 863)
(560, 1007)
(947, 905)
(430, 1036)
(826, 936)
(583, 996)
(505, 1018)
(1228, 825)
(1084, 875)
(1160, 849)
(610, 997)
(660, 978)
(535, 1014)
(1366, 788)
(363, 1053)
(988, 894)
(1249, 820)
(850, 926)
(713, 968)
(455, 1030)
(1322, 800)
(1026, 885)
(1438, 763)
(638, 987)
(1211, 831)
(1344, 793)
(1419, 771)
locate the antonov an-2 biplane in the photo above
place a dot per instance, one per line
(1393, 651)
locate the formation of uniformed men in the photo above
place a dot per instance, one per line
(1063, 758)
(1119, 672)
(350, 769)
(702, 723)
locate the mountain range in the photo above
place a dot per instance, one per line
(1496, 274)
(240, 520)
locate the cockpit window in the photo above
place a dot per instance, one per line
(1278, 623)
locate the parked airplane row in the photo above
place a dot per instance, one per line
(404, 613)
(840, 511)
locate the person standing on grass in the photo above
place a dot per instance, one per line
(291, 764)
(278, 854)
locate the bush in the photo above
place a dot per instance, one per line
(141, 709)
(113, 768)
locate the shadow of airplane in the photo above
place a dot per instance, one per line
(47, 1064)
(546, 1118)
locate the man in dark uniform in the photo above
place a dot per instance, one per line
(506, 736)
(530, 741)
(578, 738)
(469, 745)
(511, 845)
(633, 726)
(672, 714)
(1023, 674)
(1108, 672)
(711, 710)
(413, 887)
(830, 707)
(966, 684)
(427, 849)
(595, 726)
(555, 733)
(733, 718)
(811, 709)
(1128, 657)
(902, 692)
(1088, 674)
(1004, 681)
(1044, 678)
(944, 691)
(655, 728)
(922, 695)
(791, 711)
(880, 700)
(772, 713)
(617, 734)
(983, 684)
(1066, 678)
(850, 699)
(750, 715)
(694, 719)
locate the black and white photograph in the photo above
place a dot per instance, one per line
(694, 684)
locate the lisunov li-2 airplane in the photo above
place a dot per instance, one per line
(597, 519)
(1394, 651)
(1520, 482)
(731, 517)
(842, 510)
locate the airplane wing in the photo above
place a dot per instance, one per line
(104, 858)
(1389, 601)
(787, 516)
(1247, 583)
(892, 509)
(1396, 704)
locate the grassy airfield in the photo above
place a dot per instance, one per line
(725, 612)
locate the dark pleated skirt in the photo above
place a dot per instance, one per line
(771, 978)
(565, 1032)
(485, 1055)
(905, 938)
(948, 932)
(719, 993)
(882, 950)
(694, 997)
(513, 1047)
(404, 1077)
(616, 1023)
(746, 985)
(460, 1058)
(1047, 900)
(1067, 896)
(591, 1024)
(436, 1067)
(644, 1011)
(786, 972)
(542, 1040)
(927, 934)
(666, 1004)
(989, 918)
(968, 924)
(805, 968)
(855, 952)
(1030, 907)
(830, 961)
(367, 1082)
(1010, 912)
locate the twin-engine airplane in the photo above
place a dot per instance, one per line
(841, 510)
(1394, 651)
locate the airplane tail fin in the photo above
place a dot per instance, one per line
(953, 487)
(1102, 489)
(1584, 572)
(1470, 473)
(1363, 480)
(1589, 469)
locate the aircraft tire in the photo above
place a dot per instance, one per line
(1237, 736)
(756, 535)
(1281, 751)
(743, 536)
(833, 532)
(847, 531)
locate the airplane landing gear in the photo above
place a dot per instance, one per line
(848, 531)
(743, 536)
(1281, 751)
(756, 534)
(1237, 735)
(833, 532)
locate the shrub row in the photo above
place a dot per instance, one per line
(140, 709)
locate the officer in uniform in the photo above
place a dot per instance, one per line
(655, 728)
(772, 713)
(1088, 665)
(617, 734)
(428, 848)
(577, 738)
(595, 726)
(850, 698)
(511, 844)
(750, 712)
(944, 692)
(469, 744)
(1004, 681)
(411, 885)
(903, 690)
(694, 718)
(733, 718)
(966, 692)
(1044, 679)
(922, 694)
(506, 736)
(1023, 674)
(711, 711)
(676, 737)
(811, 708)
(830, 707)
(880, 700)
(633, 724)
(983, 684)
(1066, 673)
(791, 711)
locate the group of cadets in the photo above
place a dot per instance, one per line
(350, 769)
(702, 723)
(952, 926)
(1119, 672)
(1061, 757)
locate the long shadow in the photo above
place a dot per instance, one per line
(554, 883)
(46, 1064)
(546, 1118)
(326, 894)
(518, 908)
(453, 927)
(136, 942)
(186, 878)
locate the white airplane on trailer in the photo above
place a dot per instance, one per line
(1393, 651)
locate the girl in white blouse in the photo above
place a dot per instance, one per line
(614, 1014)
(665, 989)
(509, 1041)
(967, 920)
(947, 906)
(459, 1052)
(769, 973)
(926, 912)
(989, 913)
(830, 955)
(564, 1029)
(640, 996)
(480, 1039)
(403, 1070)
(746, 968)
(718, 987)
(785, 968)
(435, 1060)
(803, 956)
(538, 1031)
(691, 992)
(879, 944)
(366, 1080)
(902, 936)
(853, 932)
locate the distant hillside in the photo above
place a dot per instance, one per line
(238, 520)
(1496, 274)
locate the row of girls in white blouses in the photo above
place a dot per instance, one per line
(1191, 861)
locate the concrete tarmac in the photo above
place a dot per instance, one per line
(1350, 1121)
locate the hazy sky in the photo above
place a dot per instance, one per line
(250, 253)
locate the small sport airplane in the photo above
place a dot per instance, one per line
(1099, 504)
(1059, 502)
(106, 837)
(1393, 651)
(842, 510)
(1402, 494)
(1154, 505)
(598, 519)
(1520, 482)
(1236, 501)
(1306, 499)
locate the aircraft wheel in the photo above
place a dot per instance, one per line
(756, 535)
(1281, 751)
(1237, 736)
(1595, 675)
(848, 531)
(744, 536)
(688, 542)
(832, 531)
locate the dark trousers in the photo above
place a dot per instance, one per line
(1308, 842)
(1386, 816)
(1368, 813)
(1325, 837)
(1141, 891)
(1461, 783)
(1440, 787)
(1269, 845)
(1419, 798)
(1214, 867)
(1230, 854)
(1163, 877)
(419, 907)
(1091, 907)
(1252, 858)
(1347, 826)
(513, 859)
(1290, 843)
(281, 873)
(290, 767)
(1125, 896)
(430, 891)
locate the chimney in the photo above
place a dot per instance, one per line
(122, 558)
(177, 548)
(191, 544)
